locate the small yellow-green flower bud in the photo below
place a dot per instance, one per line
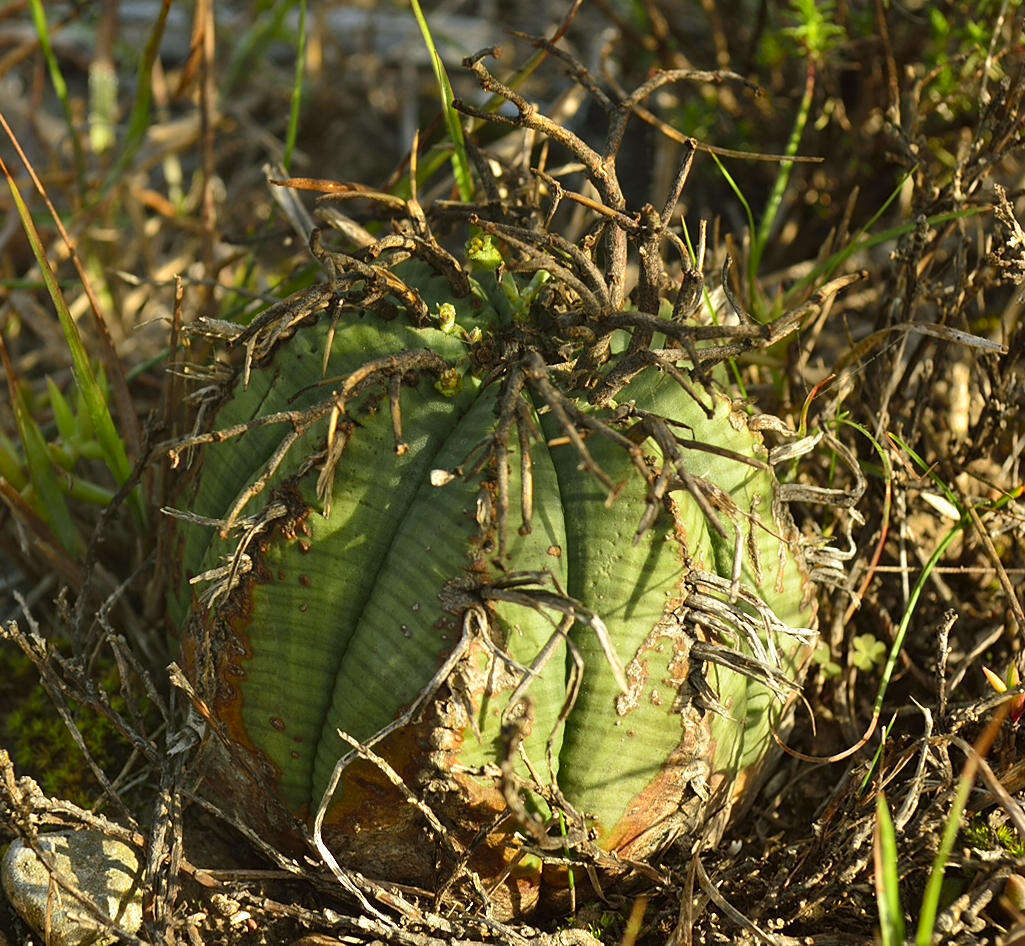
(450, 383)
(482, 253)
(447, 317)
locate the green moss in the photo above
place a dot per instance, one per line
(983, 836)
(39, 741)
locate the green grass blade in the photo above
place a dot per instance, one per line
(59, 86)
(779, 187)
(438, 155)
(94, 400)
(138, 121)
(62, 413)
(460, 162)
(870, 772)
(10, 465)
(898, 642)
(103, 85)
(736, 190)
(934, 887)
(297, 89)
(42, 472)
(84, 491)
(952, 497)
(884, 853)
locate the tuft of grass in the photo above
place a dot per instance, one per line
(93, 397)
(49, 503)
(934, 886)
(885, 854)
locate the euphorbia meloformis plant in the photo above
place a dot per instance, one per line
(487, 571)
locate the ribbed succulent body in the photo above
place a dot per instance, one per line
(336, 608)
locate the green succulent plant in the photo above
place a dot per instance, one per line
(491, 518)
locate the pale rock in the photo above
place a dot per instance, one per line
(103, 869)
(568, 938)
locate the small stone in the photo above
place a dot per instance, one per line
(1014, 892)
(103, 869)
(224, 905)
(568, 938)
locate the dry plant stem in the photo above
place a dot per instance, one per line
(891, 67)
(363, 927)
(79, 638)
(171, 409)
(60, 676)
(537, 374)
(632, 104)
(734, 915)
(103, 619)
(44, 541)
(679, 182)
(910, 803)
(35, 650)
(165, 847)
(1002, 795)
(998, 565)
(292, 868)
(601, 168)
(129, 668)
(576, 69)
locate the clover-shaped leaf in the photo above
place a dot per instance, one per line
(867, 651)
